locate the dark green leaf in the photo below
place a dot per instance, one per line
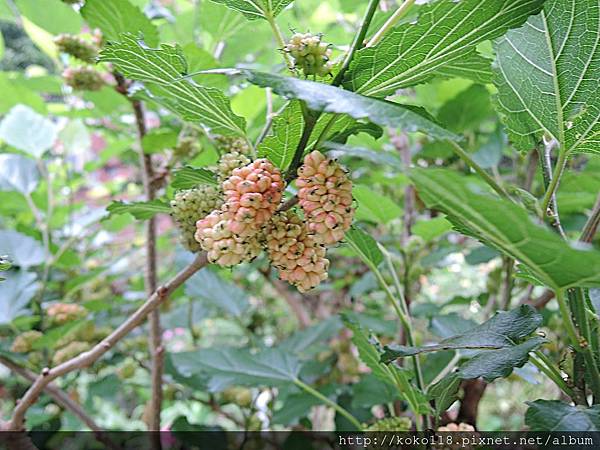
(444, 392)
(547, 75)
(139, 210)
(161, 71)
(501, 331)
(472, 67)
(308, 340)
(209, 286)
(446, 31)
(114, 17)
(554, 415)
(508, 228)
(326, 98)
(190, 177)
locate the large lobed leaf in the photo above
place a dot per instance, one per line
(445, 34)
(161, 70)
(499, 332)
(554, 415)
(213, 289)
(501, 224)
(326, 98)
(547, 74)
(114, 17)
(256, 9)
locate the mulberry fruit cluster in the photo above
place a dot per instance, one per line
(61, 313)
(295, 252)
(189, 206)
(310, 53)
(23, 343)
(229, 162)
(77, 47)
(325, 195)
(390, 424)
(83, 78)
(235, 144)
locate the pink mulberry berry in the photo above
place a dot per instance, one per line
(252, 194)
(299, 258)
(325, 195)
(223, 246)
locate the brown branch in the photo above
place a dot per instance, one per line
(86, 359)
(591, 226)
(58, 395)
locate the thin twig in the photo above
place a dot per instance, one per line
(550, 206)
(86, 359)
(591, 226)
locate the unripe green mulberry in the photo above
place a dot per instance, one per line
(24, 341)
(228, 163)
(83, 78)
(238, 395)
(191, 205)
(187, 148)
(310, 54)
(70, 351)
(231, 144)
(77, 47)
(391, 424)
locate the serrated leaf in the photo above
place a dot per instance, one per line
(364, 246)
(16, 291)
(326, 98)
(280, 146)
(139, 210)
(446, 31)
(190, 177)
(493, 364)
(234, 366)
(161, 70)
(18, 173)
(554, 415)
(256, 9)
(499, 332)
(508, 228)
(114, 17)
(547, 75)
(22, 250)
(28, 131)
(210, 287)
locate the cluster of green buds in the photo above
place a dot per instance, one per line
(310, 53)
(77, 47)
(233, 144)
(391, 424)
(83, 78)
(187, 148)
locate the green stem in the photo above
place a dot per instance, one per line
(391, 22)
(358, 41)
(280, 40)
(539, 360)
(567, 319)
(462, 154)
(329, 402)
(556, 175)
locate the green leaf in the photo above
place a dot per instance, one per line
(23, 251)
(444, 392)
(364, 246)
(308, 340)
(210, 287)
(467, 110)
(158, 140)
(114, 17)
(281, 145)
(547, 75)
(139, 210)
(373, 206)
(446, 31)
(28, 131)
(499, 332)
(239, 366)
(554, 415)
(494, 364)
(190, 177)
(161, 71)
(256, 9)
(326, 98)
(16, 291)
(508, 228)
(430, 229)
(472, 67)
(18, 173)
